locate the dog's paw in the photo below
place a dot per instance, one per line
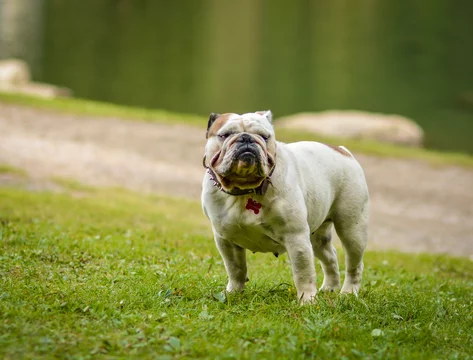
(329, 288)
(330, 284)
(352, 289)
(234, 287)
(307, 298)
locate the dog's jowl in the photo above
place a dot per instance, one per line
(267, 196)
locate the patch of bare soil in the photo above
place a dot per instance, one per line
(415, 207)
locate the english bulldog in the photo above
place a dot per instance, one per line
(267, 196)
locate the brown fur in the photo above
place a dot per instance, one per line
(339, 149)
(218, 123)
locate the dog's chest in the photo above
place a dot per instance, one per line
(250, 224)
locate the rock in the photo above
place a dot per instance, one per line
(14, 72)
(15, 77)
(394, 129)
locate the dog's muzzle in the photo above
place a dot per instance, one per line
(246, 149)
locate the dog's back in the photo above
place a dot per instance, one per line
(336, 177)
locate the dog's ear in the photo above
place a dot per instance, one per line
(267, 114)
(212, 118)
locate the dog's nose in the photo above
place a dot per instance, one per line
(245, 139)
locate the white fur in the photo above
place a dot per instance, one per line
(313, 187)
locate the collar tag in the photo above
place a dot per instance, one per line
(253, 205)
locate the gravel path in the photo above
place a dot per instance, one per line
(415, 207)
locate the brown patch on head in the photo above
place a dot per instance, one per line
(217, 124)
(339, 149)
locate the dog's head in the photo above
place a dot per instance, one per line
(241, 149)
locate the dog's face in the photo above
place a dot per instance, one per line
(241, 149)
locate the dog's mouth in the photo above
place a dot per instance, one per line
(246, 153)
(251, 148)
(246, 182)
(247, 157)
(246, 169)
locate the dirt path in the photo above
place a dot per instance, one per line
(415, 207)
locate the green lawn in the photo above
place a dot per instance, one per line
(7, 169)
(113, 274)
(95, 108)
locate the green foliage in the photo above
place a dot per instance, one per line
(111, 274)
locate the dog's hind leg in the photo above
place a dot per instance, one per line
(324, 250)
(353, 233)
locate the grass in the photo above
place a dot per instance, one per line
(94, 108)
(113, 274)
(7, 169)
(435, 158)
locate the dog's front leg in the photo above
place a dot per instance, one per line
(234, 258)
(301, 255)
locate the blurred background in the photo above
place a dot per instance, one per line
(413, 58)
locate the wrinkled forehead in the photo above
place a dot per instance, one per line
(250, 122)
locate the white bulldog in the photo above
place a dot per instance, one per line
(267, 196)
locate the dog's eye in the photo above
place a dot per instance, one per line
(265, 138)
(223, 136)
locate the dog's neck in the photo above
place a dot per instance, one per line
(260, 190)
